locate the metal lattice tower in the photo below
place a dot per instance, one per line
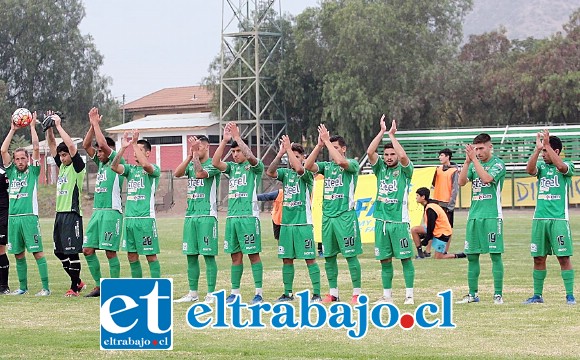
(250, 49)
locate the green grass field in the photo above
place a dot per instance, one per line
(59, 327)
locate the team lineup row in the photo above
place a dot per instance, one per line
(135, 230)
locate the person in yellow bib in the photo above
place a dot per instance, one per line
(437, 228)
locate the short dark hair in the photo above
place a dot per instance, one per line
(146, 144)
(110, 142)
(423, 191)
(447, 152)
(555, 143)
(482, 138)
(234, 144)
(298, 148)
(202, 138)
(338, 138)
(62, 147)
(388, 146)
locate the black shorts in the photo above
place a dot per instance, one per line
(449, 215)
(276, 229)
(3, 226)
(68, 233)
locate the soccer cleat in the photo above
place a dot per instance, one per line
(427, 255)
(258, 299)
(209, 299)
(384, 300)
(418, 257)
(70, 293)
(315, 298)
(536, 299)
(498, 299)
(329, 298)
(460, 256)
(5, 291)
(409, 300)
(187, 298)
(81, 286)
(570, 300)
(231, 298)
(354, 299)
(96, 292)
(43, 292)
(19, 292)
(285, 298)
(468, 299)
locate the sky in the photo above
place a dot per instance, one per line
(149, 45)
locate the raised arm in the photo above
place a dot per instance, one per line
(116, 165)
(334, 153)
(245, 149)
(95, 119)
(216, 160)
(87, 142)
(292, 159)
(465, 168)
(51, 141)
(554, 158)
(272, 169)
(141, 158)
(34, 138)
(6, 158)
(72, 149)
(531, 166)
(374, 145)
(401, 154)
(310, 163)
(180, 169)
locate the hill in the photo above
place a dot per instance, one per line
(521, 18)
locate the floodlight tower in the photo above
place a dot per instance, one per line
(250, 49)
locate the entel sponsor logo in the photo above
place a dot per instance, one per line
(388, 187)
(240, 181)
(546, 183)
(355, 320)
(332, 183)
(136, 184)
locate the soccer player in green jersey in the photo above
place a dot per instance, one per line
(484, 230)
(23, 226)
(68, 223)
(140, 235)
(243, 232)
(392, 236)
(340, 229)
(550, 226)
(296, 232)
(106, 223)
(200, 231)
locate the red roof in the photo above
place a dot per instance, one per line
(186, 97)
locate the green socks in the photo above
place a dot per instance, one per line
(94, 268)
(408, 273)
(193, 272)
(258, 274)
(155, 269)
(43, 271)
(387, 274)
(355, 271)
(568, 277)
(237, 271)
(287, 277)
(22, 271)
(497, 271)
(211, 273)
(314, 272)
(473, 273)
(115, 267)
(539, 277)
(136, 271)
(331, 268)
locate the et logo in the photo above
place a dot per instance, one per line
(136, 314)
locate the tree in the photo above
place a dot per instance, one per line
(46, 63)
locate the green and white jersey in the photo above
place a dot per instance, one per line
(486, 198)
(23, 190)
(393, 186)
(141, 187)
(243, 185)
(297, 196)
(339, 186)
(70, 184)
(108, 185)
(202, 193)
(553, 187)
